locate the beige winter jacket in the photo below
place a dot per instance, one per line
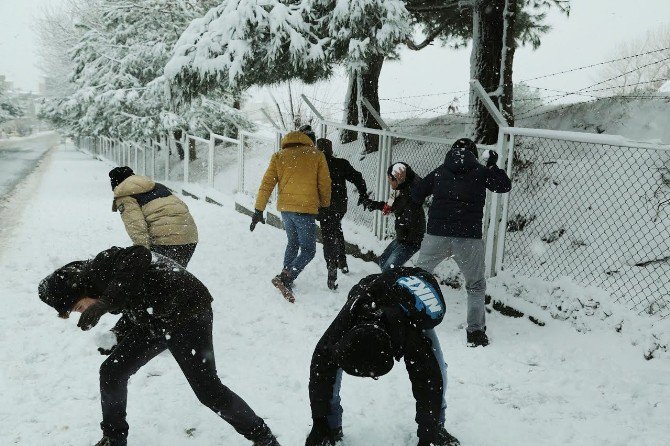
(152, 214)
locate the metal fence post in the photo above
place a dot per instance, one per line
(187, 157)
(492, 230)
(210, 160)
(240, 162)
(502, 225)
(166, 147)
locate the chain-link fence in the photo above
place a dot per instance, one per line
(597, 213)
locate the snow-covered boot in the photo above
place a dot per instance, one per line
(342, 264)
(108, 441)
(444, 438)
(263, 436)
(332, 278)
(284, 283)
(477, 338)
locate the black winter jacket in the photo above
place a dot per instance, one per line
(459, 192)
(342, 171)
(152, 290)
(383, 296)
(410, 219)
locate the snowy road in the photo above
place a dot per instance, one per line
(18, 157)
(548, 386)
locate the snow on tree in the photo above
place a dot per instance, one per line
(241, 43)
(118, 59)
(9, 107)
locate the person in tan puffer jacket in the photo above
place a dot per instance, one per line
(300, 172)
(153, 216)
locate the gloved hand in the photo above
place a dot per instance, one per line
(493, 159)
(362, 199)
(91, 316)
(257, 217)
(321, 434)
(386, 209)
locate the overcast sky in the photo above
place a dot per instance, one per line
(589, 35)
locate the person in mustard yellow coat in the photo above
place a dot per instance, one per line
(301, 175)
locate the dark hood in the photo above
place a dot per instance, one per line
(460, 160)
(63, 288)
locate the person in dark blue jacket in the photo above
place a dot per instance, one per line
(455, 219)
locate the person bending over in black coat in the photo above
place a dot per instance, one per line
(169, 309)
(388, 315)
(410, 220)
(331, 217)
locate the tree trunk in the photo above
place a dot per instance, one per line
(237, 105)
(370, 84)
(177, 134)
(509, 47)
(485, 63)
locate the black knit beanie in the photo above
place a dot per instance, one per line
(118, 174)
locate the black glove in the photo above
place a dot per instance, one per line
(493, 159)
(106, 351)
(91, 316)
(257, 217)
(321, 434)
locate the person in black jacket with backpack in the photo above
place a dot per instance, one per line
(410, 220)
(169, 309)
(331, 217)
(455, 220)
(387, 316)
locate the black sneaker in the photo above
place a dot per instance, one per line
(332, 278)
(342, 265)
(109, 441)
(263, 437)
(477, 338)
(444, 438)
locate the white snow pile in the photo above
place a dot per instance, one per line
(665, 88)
(587, 308)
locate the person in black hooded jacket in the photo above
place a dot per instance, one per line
(455, 219)
(410, 220)
(169, 309)
(387, 316)
(331, 217)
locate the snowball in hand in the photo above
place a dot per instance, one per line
(105, 340)
(398, 169)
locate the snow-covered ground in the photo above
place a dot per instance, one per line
(550, 385)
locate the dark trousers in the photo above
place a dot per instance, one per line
(179, 253)
(333, 239)
(191, 346)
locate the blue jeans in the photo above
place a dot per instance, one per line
(301, 234)
(396, 254)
